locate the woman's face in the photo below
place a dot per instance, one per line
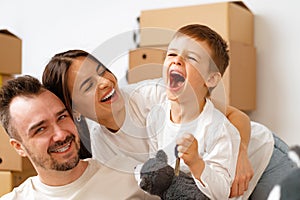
(94, 90)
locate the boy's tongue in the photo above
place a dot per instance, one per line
(176, 80)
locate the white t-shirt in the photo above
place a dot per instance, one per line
(97, 182)
(218, 143)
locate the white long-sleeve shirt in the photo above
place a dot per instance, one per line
(218, 142)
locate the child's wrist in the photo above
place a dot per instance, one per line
(197, 167)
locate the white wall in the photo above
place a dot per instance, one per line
(49, 27)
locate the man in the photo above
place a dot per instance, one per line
(41, 128)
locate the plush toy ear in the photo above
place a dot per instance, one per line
(161, 156)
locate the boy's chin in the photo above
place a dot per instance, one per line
(172, 96)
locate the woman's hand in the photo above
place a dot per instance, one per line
(244, 173)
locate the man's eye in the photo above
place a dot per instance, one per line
(39, 130)
(64, 116)
(61, 117)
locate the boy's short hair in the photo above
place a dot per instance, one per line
(217, 44)
(21, 86)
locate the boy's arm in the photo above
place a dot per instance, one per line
(244, 170)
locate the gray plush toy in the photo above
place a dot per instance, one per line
(158, 178)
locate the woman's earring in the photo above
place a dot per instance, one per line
(78, 118)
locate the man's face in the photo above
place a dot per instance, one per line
(48, 133)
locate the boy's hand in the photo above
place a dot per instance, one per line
(244, 173)
(187, 148)
(188, 151)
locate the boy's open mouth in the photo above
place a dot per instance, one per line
(176, 80)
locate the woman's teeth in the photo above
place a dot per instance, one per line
(108, 96)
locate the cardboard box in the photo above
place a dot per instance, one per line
(10, 53)
(9, 179)
(238, 85)
(145, 63)
(9, 159)
(232, 20)
(4, 78)
(237, 88)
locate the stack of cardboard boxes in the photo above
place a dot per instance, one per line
(13, 168)
(232, 20)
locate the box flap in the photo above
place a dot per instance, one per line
(240, 3)
(7, 32)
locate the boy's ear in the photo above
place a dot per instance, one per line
(18, 147)
(213, 79)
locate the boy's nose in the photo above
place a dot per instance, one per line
(178, 60)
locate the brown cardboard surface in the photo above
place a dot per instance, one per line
(145, 63)
(9, 159)
(237, 88)
(10, 53)
(4, 78)
(6, 182)
(10, 179)
(232, 20)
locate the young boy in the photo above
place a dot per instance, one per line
(207, 142)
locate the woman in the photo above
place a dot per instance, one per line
(89, 89)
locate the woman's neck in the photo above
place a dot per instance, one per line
(115, 121)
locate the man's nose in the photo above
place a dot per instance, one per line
(59, 134)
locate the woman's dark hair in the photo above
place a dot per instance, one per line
(55, 78)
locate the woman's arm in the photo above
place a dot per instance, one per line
(244, 171)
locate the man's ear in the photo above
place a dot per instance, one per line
(18, 147)
(213, 79)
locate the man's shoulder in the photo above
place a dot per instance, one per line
(23, 191)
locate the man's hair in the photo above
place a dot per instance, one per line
(220, 57)
(26, 86)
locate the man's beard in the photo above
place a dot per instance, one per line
(50, 163)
